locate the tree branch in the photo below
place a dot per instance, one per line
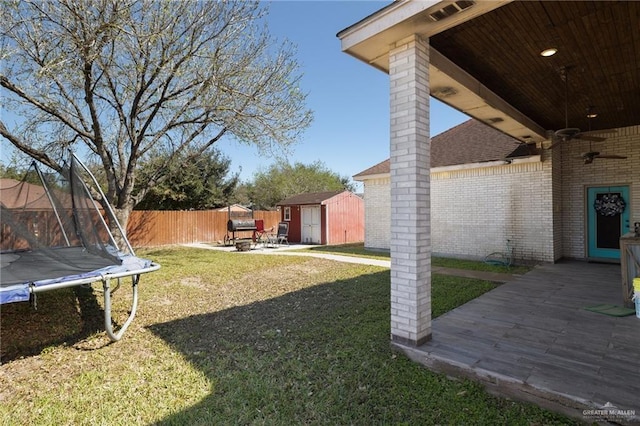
(4, 82)
(27, 149)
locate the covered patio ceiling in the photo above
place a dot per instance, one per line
(486, 61)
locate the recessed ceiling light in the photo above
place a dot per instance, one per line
(549, 52)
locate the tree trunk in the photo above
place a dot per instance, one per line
(122, 216)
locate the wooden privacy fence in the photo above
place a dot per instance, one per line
(148, 228)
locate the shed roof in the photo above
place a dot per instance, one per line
(467, 143)
(309, 198)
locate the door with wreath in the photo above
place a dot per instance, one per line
(607, 219)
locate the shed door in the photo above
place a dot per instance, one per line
(608, 218)
(311, 225)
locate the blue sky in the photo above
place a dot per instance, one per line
(350, 99)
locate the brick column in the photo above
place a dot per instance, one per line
(410, 192)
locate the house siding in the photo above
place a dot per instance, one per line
(344, 221)
(295, 224)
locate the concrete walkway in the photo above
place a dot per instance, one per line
(294, 250)
(468, 273)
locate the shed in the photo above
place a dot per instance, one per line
(333, 217)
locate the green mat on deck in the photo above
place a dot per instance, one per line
(611, 310)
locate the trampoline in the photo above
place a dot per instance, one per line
(54, 235)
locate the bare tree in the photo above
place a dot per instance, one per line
(126, 80)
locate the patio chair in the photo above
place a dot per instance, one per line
(283, 233)
(259, 231)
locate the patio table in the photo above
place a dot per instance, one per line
(271, 240)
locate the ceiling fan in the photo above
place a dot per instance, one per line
(569, 133)
(591, 155)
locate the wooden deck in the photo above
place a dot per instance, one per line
(531, 339)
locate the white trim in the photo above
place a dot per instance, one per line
(364, 178)
(399, 20)
(382, 20)
(468, 166)
(326, 219)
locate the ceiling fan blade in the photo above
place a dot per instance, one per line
(612, 156)
(590, 138)
(597, 132)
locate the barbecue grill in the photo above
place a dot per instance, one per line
(238, 225)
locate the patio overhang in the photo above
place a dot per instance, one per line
(486, 59)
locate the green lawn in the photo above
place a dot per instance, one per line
(357, 249)
(235, 338)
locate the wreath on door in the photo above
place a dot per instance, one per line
(610, 205)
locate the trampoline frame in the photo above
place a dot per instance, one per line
(106, 287)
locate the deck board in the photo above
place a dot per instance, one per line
(532, 339)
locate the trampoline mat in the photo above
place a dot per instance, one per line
(39, 265)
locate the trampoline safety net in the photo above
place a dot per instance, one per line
(54, 234)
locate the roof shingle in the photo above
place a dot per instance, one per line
(466, 143)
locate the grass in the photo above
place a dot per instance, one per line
(478, 266)
(229, 338)
(358, 250)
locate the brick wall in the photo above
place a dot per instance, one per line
(576, 177)
(558, 226)
(475, 210)
(377, 213)
(540, 207)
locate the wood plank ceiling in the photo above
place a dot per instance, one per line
(598, 43)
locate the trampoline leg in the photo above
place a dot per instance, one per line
(107, 308)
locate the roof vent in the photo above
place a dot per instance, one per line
(451, 9)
